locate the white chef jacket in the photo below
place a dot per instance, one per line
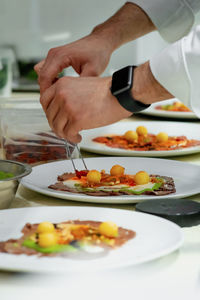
(177, 67)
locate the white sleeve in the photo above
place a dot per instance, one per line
(172, 18)
(177, 69)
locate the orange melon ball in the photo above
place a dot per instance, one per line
(45, 227)
(141, 130)
(131, 136)
(109, 229)
(162, 137)
(94, 176)
(117, 170)
(141, 177)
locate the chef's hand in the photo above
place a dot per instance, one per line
(75, 103)
(88, 56)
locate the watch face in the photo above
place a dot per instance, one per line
(122, 80)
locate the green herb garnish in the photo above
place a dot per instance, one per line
(53, 249)
(156, 186)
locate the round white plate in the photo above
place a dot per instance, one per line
(185, 175)
(155, 237)
(190, 130)
(152, 111)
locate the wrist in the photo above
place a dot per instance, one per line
(104, 37)
(146, 88)
(122, 82)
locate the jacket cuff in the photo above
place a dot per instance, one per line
(172, 18)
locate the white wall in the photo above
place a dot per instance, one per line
(34, 26)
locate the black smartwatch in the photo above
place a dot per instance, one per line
(122, 82)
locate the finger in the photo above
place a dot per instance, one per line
(39, 66)
(59, 123)
(52, 111)
(75, 139)
(53, 65)
(71, 133)
(47, 97)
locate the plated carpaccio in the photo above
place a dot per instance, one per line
(175, 106)
(142, 140)
(68, 239)
(114, 183)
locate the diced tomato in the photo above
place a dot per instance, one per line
(131, 182)
(181, 138)
(81, 173)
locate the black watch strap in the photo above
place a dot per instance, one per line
(124, 95)
(129, 103)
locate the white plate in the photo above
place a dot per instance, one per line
(185, 175)
(155, 237)
(152, 111)
(191, 130)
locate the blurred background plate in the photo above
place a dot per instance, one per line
(152, 111)
(165, 237)
(190, 130)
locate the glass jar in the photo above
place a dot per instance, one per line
(26, 136)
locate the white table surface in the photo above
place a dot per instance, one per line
(175, 276)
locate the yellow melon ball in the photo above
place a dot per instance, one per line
(162, 137)
(178, 104)
(141, 130)
(141, 177)
(94, 176)
(109, 229)
(117, 170)
(45, 227)
(131, 136)
(47, 239)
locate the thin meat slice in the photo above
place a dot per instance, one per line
(166, 188)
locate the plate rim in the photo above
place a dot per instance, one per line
(105, 199)
(170, 249)
(168, 114)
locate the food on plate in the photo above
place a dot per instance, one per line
(162, 137)
(115, 183)
(67, 238)
(142, 140)
(175, 106)
(117, 170)
(141, 177)
(5, 175)
(131, 136)
(93, 176)
(142, 131)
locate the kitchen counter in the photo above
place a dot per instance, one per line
(175, 276)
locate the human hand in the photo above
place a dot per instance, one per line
(88, 56)
(76, 103)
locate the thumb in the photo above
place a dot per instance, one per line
(71, 133)
(39, 66)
